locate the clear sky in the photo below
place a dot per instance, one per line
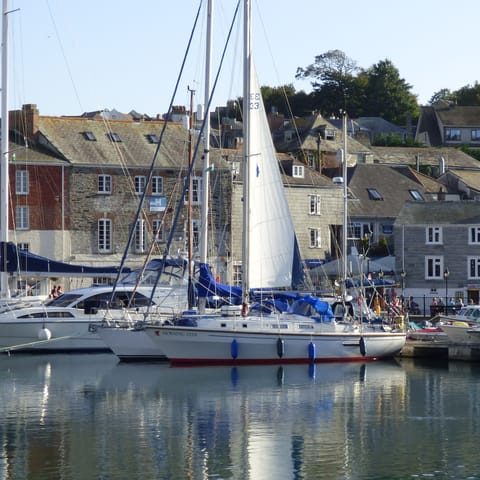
(71, 56)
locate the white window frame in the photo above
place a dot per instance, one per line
(104, 235)
(197, 185)
(140, 241)
(474, 235)
(140, 183)
(473, 268)
(433, 267)
(315, 203)
(157, 185)
(104, 184)
(434, 236)
(22, 182)
(237, 272)
(157, 225)
(298, 171)
(315, 238)
(22, 217)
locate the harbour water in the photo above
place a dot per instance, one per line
(90, 417)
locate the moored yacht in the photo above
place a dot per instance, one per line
(70, 322)
(458, 327)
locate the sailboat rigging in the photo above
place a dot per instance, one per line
(307, 331)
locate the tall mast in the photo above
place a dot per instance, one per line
(4, 291)
(345, 209)
(206, 149)
(206, 138)
(247, 66)
(190, 201)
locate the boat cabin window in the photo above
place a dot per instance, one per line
(47, 314)
(120, 300)
(65, 300)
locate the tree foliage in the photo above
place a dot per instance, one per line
(333, 81)
(465, 96)
(378, 91)
(388, 95)
(286, 100)
(340, 85)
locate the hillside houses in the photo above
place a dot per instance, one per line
(447, 124)
(77, 182)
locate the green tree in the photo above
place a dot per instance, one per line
(443, 94)
(338, 84)
(388, 95)
(468, 96)
(333, 80)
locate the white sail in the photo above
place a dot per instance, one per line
(271, 234)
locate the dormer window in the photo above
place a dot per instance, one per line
(298, 171)
(114, 137)
(89, 136)
(329, 134)
(374, 194)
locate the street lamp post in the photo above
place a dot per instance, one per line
(446, 273)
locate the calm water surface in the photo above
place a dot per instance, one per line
(91, 417)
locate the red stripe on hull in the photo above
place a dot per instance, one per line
(272, 361)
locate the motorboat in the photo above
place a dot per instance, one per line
(70, 321)
(459, 327)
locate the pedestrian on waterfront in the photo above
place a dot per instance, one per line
(53, 292)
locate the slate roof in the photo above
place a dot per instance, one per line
(419, 213)
(393, 187)
(65, 138)
(67, 135)
(459, 116)
(428, 127)
(428, 156)
(428, 183)
(311, 177)
(378, 126)
(471, 178)
(445, 114)
(308, 129)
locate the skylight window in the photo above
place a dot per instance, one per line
(89, 136)
(374, 194)
(114, 137)
(152, 138)
(416, 195)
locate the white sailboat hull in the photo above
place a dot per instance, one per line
(130, 344)
(288, 342)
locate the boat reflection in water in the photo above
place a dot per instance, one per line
(88, 416)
